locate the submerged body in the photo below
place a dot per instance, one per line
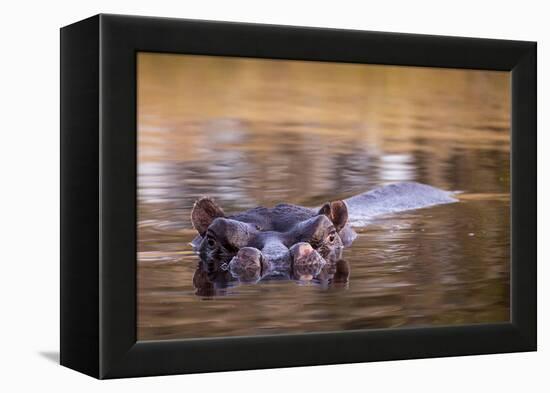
(298, 242)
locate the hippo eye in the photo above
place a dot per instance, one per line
(331, 237)
(211, 242)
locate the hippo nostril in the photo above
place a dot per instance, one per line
(306, 261)
(304, 249)
(246, 265)
(301, 250)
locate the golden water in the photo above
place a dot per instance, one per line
(254, 132)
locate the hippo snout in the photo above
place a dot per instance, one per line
(306, 262)
(247, 264)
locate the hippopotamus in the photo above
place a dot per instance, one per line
(296, 241)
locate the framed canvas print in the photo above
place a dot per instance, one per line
(239, 196)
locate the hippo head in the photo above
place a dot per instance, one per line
(286, 239)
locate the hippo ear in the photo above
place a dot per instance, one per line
(337, 212)
(203, 213)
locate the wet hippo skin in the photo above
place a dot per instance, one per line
(294, 242)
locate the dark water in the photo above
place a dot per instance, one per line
(250, 133)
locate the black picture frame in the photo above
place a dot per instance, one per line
(98, 195)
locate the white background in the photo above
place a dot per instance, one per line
(29, 223)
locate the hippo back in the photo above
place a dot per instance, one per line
(394, 198)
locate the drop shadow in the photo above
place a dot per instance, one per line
(52, 356)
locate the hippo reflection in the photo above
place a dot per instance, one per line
(293, 242)
(215, 279)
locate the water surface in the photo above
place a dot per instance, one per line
(258, 132)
